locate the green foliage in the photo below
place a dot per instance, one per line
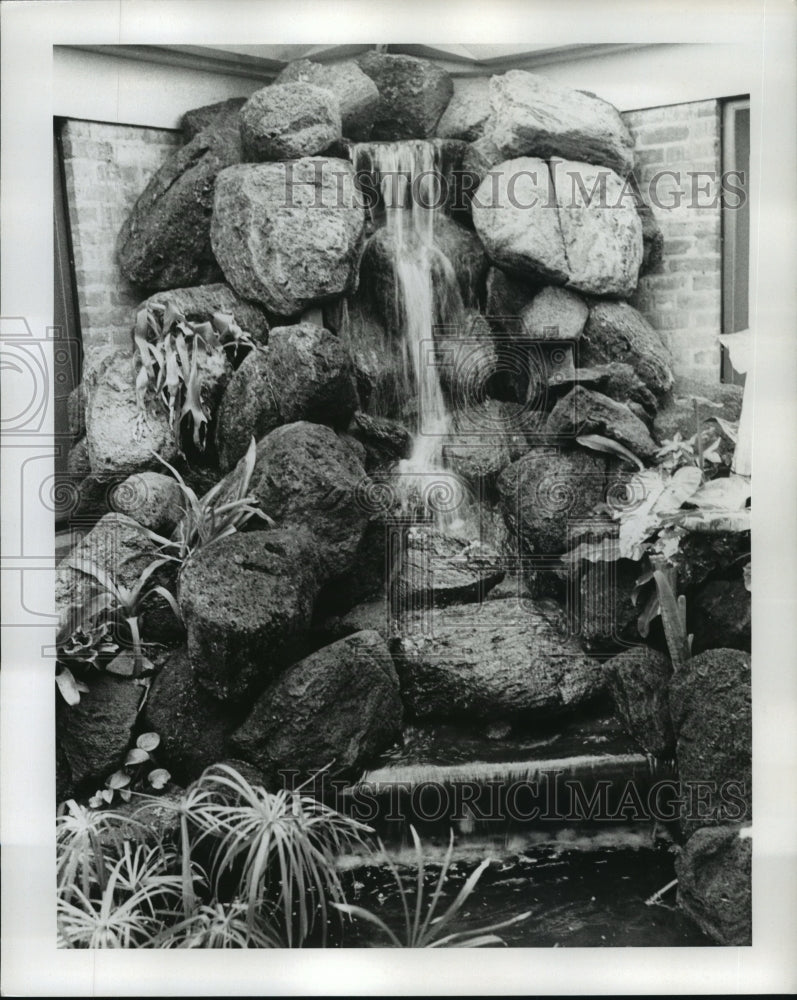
(79, 652)
(424, 927)
(170, 351)
(216, 514)
(140, 769)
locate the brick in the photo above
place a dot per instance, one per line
(711, 281)
(691, 264)
(666, 133)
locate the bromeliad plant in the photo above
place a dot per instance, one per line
(173, 354)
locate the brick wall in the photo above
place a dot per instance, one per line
(106, 167)
(683, 299)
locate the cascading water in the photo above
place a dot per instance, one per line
(408, 179)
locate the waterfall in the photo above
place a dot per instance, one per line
(407, 177)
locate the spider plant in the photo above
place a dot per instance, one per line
(82, 837)
(128, 602)
(219, 925)
(215, 515)
(423, 926)
(170, 350)
(282, 847)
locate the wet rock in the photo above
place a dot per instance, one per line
(532, 116)
(192, 725)
(554, 314)
(152, 499)
(607, 616)
(119, 438)
(494, 660)
(287, 120)
(198, 304)
(478, 159)
(355, 92)
(221, 113)
(385, 440)
(615, 331)
(339, 706)
(714, 871)
(378, 364)
(618, 381)
(703, 554)
(513, 216)
(479, 449)
(437, 570)
(710, 705)
(719, 616)
(468, 360)
(246, 600)
(601, 229)
(288, 235)
(544, 491)
(638, 680)
(413, 93)
(466, 254)
(508, 295)
(584, 411)
(93, 736)
(165, 242)
(467, 112)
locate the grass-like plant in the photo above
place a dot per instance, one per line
(219, 925)
(220, 512)
(424, 927)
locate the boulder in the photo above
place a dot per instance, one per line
(719, 616)
(544, 491)
(92, 737)
(478, 159)
(76, 410)
(467, 112)
(248, 408)
(340, 706)
(601, 229)
(223, 113)
(287, 120)
(554, 314)
(466, 255)
(710, 705)
(638, 680)
(385, 440)
(497, 660)
(533, 116)
(584, 411)
(413, 93)
(307, 476)
(514, 218)
(468, 360)
(198, 305)
(606, 613)
(617, 380)
(165, 241)
(437, 570)
(355, 92)
(479, 447)
(615, 331)
(77, 460)
(119, 437)
(151, 498)
(507, 296)
(288, 235)
(714, 871)
(246, 600)
(373, 615)
(379, 364)
(652, 236)
(192, 725)
(705, 554)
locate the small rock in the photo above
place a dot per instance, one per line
(554, 314)
(719, 616)
(221, 113)
(584, 411)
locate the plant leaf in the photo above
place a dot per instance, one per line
(136, 756)
(123, 665)
(148, 742)
(159, 778)
(67, 686)
(597, 442)
(119, 779)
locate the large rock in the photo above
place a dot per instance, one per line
(195, 121)
(437, 570)
(554, 314)
(92, 736)
(544, 491)
(378, 358)
(606, 614)
(601, 229)
(193, 726)
(306, 373)
(151, 498)
(385, 440)
(615, 331)
(119, 437)
(584, 411)
(719, 616)
(497, 660)
(638, 680)
(246, 601)
(507, 296)
(307, 476)
(288, 235)
(710, 704)
(617, 380)
(652, 236)
(714, 871)
(478, 159)
(532, 116)
(466, 254)
(198, 305)
(468, 360)
(287, 120)
(355, 92)
(413, 93)
(165, 242)
(467, 112)
(76, 411)
(514, 217)
(480, 445)
(708, 554)
(339, 706)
